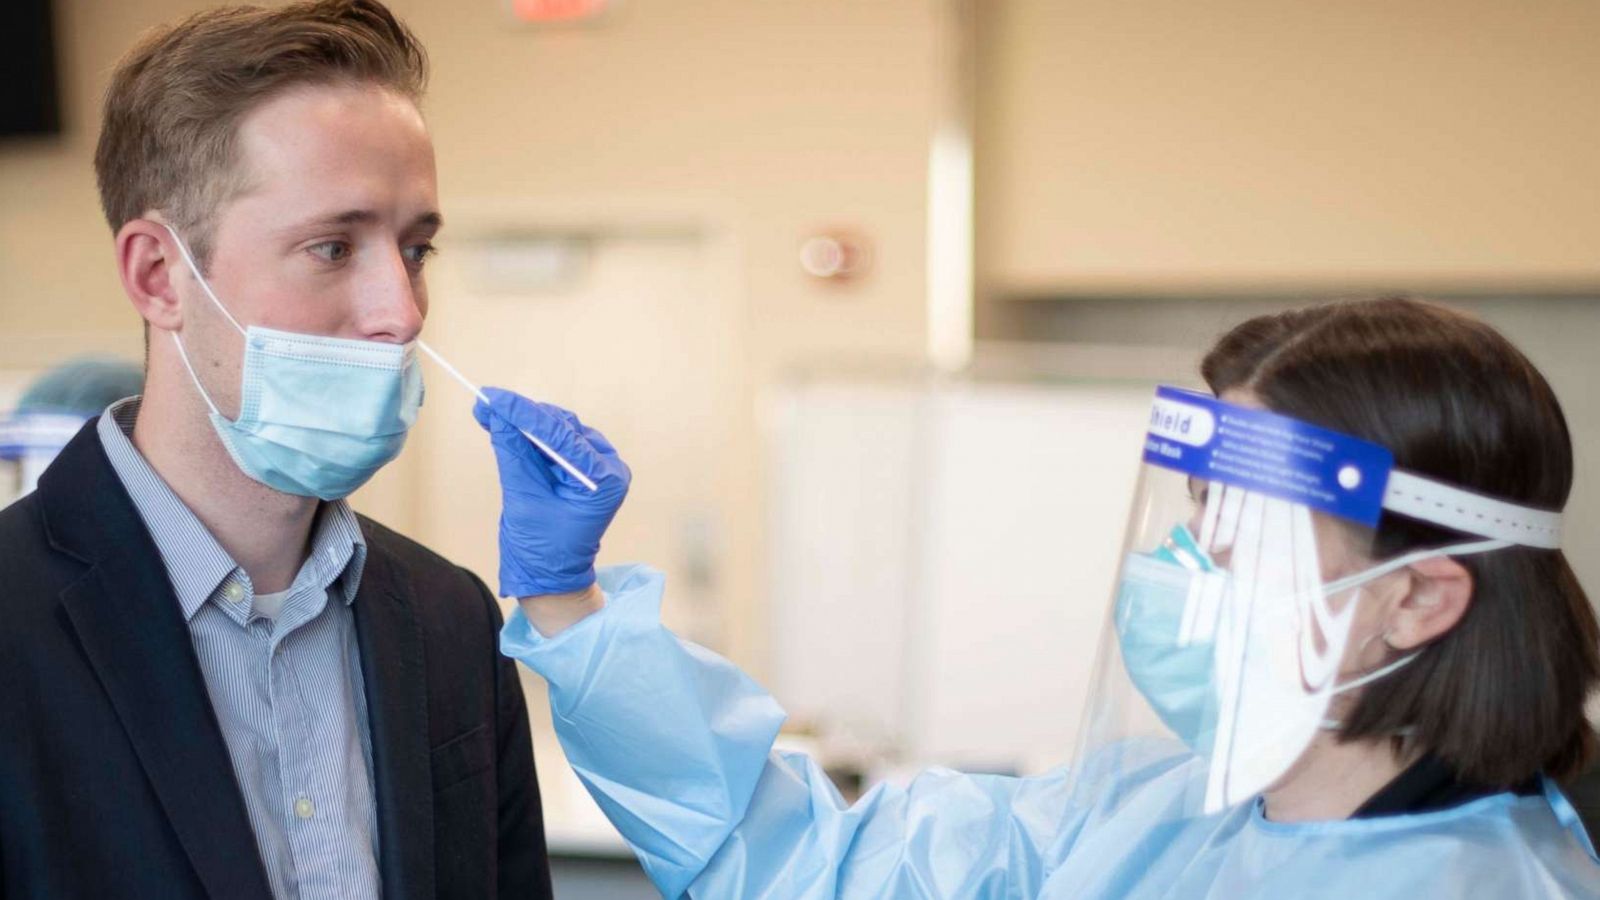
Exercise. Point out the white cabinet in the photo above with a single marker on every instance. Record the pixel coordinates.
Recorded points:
(944, 556)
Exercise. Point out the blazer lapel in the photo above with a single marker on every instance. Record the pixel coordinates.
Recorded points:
(397, 711)
(133, 634)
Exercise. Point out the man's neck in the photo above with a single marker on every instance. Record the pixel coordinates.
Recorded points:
(1332, 780)
(267, 532)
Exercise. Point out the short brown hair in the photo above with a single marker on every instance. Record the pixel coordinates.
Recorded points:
(1500, 697)
(167, 140)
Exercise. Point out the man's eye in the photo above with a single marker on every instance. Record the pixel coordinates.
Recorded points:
(332, 251)
(417, 254)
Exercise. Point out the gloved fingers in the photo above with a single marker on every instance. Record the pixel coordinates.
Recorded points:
(605, 461)
(617, 472)
(611, 462)
(510, 411)
(609, 467)
(599, 441)
(570, 417)
(484, 415)
(509, 414)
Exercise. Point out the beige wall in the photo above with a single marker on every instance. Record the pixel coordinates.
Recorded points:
(1167, 145)
(790, 116)
(1242, 154)
(755, 122)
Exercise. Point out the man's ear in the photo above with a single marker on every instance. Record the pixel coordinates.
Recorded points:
(1441, 592)
(146, 259)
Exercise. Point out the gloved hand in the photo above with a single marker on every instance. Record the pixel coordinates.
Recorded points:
(550, 524)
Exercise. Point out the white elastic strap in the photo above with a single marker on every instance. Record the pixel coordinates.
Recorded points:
(192, 376)
(193, 267)
(1338, 725)
(1462, 510)
(179, 341)
(1399, 562)
(1410, 559)
(1374, 675)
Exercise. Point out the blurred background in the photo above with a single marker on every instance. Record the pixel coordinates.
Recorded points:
(872, 295)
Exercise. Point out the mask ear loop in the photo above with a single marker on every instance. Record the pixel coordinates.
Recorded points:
(182, 355)
(1377, 673)
(1338, 724)
(1469, 548)
(204, 286)
(1360, 578)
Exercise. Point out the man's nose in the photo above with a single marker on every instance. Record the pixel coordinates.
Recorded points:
(392, 308)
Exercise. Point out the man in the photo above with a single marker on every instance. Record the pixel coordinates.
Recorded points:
(216, 680)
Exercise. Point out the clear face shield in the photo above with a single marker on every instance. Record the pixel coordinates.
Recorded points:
(1237, 622)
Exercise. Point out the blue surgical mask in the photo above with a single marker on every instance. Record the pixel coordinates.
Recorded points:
(318, 416)
(1177, 674)
(1175, 678)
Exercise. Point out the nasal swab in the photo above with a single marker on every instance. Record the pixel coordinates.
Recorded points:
(544, 448)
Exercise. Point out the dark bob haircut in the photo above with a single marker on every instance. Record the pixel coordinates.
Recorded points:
(1500, 697)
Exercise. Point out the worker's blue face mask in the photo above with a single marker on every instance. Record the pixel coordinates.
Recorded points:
(1175, 678)
(318, 416)
(1174, 667)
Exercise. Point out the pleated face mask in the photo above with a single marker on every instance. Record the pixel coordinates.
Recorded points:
(318, 416)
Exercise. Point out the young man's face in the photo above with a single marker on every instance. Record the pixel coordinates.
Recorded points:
(328, 235)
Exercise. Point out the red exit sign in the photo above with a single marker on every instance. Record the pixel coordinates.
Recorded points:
(558, 11)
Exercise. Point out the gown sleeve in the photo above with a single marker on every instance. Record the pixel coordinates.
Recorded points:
(675, 744)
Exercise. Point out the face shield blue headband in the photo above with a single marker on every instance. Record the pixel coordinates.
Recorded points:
(318, 416)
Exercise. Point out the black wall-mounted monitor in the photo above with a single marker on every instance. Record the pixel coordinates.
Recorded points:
(30, 101)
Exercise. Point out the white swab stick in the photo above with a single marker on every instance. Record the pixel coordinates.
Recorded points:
(544, 448)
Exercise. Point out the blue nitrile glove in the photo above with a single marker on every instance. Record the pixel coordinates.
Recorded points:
(550, 524)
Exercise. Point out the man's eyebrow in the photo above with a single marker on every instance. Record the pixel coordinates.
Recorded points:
(348, 217)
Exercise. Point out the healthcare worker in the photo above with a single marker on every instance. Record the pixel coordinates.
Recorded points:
(1345, 658)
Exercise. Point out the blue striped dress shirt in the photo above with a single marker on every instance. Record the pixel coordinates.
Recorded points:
(287, 690)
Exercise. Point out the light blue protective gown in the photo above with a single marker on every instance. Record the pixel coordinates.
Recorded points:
(675, 744)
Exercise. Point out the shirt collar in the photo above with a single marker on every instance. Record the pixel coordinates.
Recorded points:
(196, 564)
(337, 537)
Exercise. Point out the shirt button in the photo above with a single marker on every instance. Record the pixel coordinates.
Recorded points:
(304, 808)
(234, 592)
